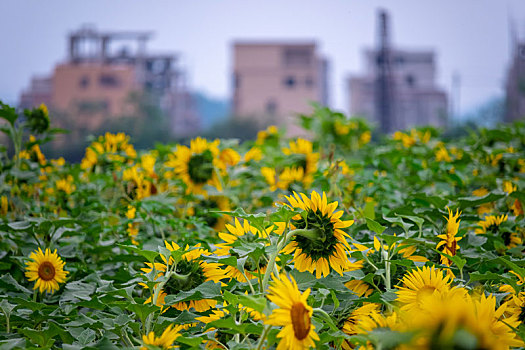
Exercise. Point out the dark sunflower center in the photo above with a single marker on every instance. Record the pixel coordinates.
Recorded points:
(493, 228)
(506, 238)
(324, 244)
(46, 271)
(189, 274)
(300, 320)
(203, 209)
(200, 167)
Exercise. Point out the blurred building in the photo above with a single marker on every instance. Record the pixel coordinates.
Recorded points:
(398, 89)
(515, 83)
(102, 75)
(273, 82)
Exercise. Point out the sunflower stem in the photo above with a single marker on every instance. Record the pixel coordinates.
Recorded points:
(273, 256)
(248, 281)
(263, 336)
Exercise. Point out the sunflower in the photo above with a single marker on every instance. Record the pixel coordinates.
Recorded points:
(419, 284)
(321, 242)
(449, 241)
(351, 325)
(47, 269)
(191, 271)
(197, 165)
(442, 321)
(165, 341)
(302, 156)
(491, 224)
(511, 239)
(294, 314)
(247, 233)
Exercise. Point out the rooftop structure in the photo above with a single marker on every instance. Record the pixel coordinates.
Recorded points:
(100, 75)
(398, 89)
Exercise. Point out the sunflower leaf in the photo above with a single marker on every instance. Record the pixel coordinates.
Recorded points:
(149, 255)
(374, 226)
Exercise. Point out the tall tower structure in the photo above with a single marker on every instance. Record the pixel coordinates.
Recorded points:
(398, 89)
(384, 82)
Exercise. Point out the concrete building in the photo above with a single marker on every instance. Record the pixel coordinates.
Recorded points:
(398, 89)
(102, 73)
(273, 82)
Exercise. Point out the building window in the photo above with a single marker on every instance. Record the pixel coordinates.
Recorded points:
(289, 82)
(297, 57)
(108, 80)
(84, 82)
(271, 107)
(309, 82)
(411, 81)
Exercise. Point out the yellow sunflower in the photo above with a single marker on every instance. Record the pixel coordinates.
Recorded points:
(294, 314)
(165, 341)
(449, 241)
(443, 320)
(190, 272)
(320, 242)
(244, 232)
(47, 269)
(419, 284)
(197, 165)
(491, 224)
(351, 325)
(302, 156)
(511, 239)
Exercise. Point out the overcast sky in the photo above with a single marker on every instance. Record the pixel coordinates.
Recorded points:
(470, 37)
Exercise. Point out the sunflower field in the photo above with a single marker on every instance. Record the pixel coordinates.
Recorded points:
(331, 241)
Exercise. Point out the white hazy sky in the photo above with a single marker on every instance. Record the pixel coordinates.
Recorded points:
(470, 37)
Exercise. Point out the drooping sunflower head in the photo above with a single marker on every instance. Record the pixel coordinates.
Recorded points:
(294, 315)
(47, 269)
(197, 165)
(191, 271)
(319, 241)
(166, 340)
(245, 233)
(419, 284)
(491, 224)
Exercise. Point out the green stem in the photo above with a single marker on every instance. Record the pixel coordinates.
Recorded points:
(271, 263)
(263, 336)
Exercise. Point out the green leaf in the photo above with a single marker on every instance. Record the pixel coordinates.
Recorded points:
(143, 310)
(149, 255)
(194, 342)
(256, 220)
(469, 202)
(87, 336)
(257, 303)
(207, 290)
(374, 226)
